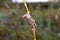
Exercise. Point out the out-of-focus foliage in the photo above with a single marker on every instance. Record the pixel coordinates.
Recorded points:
(1, 1)
(14, 27)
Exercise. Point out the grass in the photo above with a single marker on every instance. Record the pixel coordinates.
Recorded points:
(23, 31)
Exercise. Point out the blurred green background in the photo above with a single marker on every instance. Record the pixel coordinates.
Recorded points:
(14, 27)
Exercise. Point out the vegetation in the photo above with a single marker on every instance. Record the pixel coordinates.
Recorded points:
(14, 27)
